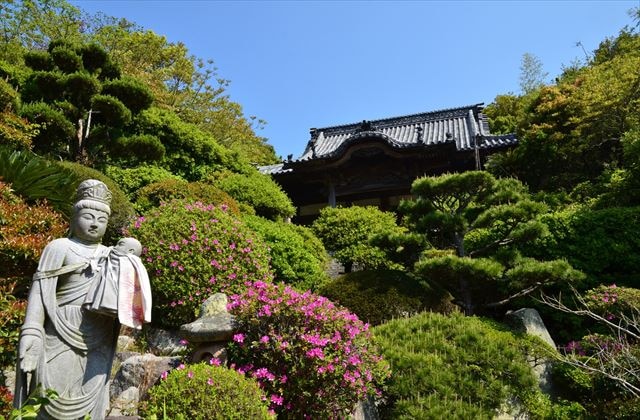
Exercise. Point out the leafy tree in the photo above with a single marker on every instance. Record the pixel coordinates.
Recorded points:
(532, 74)
(474, 221)
(72, 83)
(185, 84)
(570, 131)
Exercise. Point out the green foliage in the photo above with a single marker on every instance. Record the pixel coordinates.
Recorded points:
(34, 178)
(9, 98)
(259, 191)
(36, 400)
(121, 209)
(38, 60)
(55, 131)
(453, 367)
(346, 233)
(294, 259)
(44, 86)
(477, 221)
(143, 148)
(111, 110)
(130, 180)
(378, 296)
(131, 92)
(16, 132)
(205, 392)
(24, 232)
(190, 152)
(66, 59)
(154, 194)
(602, 243)
(192, 251)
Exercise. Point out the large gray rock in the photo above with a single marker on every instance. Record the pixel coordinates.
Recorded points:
(133, 379)
(528, 320)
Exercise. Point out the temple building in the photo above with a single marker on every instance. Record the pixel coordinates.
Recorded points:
(375, 162)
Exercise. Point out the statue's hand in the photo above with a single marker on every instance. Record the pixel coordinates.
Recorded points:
(29, 352)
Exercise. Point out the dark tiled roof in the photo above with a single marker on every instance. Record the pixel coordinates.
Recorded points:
(456, 125)
(461, 125)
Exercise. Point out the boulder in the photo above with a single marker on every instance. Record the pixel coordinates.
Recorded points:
(528, 320)
(164, 343)
(133, 379)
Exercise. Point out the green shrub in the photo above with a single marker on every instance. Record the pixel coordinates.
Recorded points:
(293, 260)
(131, 92)
(205, 392)
(130, 180)
(346, 232)
(141, 148)
(79, 88)
(192, 251)
(110, 110)
(190, 152)
(66, 59)
(381, 295)
(121, 209)
(38, 60)
(260, 192)
(44, 86)
(24, 232)
(602, 243)
(55, 131)
(9, 98)
(16, 132)
(154, 194)
(454, 367)
(313, 359)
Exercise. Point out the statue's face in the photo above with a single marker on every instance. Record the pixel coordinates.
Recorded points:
(89, 225)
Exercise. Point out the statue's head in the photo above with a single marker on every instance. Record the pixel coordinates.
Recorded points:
(91, 211)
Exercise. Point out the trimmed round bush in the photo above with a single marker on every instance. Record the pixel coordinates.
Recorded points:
(455, 367)
(313, 359)
(138, 148)
(294, 259)
(9, 98)
(110, 110)
(38, 60)
(205, 392)
(154, 194)
(381, 295)
(55, 131)
(132, 179)
(346, 233)
(192, 251)
(66, 59)
(135, 95)
(260, 192)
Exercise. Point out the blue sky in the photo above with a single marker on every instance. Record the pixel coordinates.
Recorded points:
(303, 64)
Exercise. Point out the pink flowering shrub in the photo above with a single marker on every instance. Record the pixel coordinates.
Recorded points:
(192, 251)
(205, 391)
(312, 358)
(613, 301)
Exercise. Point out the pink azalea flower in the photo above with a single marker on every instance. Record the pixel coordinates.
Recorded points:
(238, 338)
